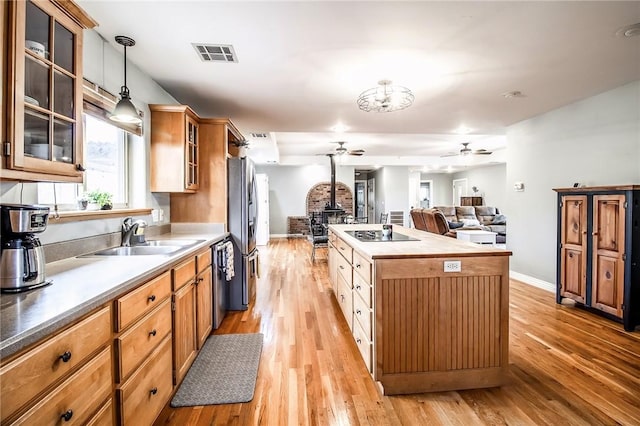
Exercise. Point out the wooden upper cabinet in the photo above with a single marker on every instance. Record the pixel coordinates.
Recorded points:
(42, 96)
(175, 149)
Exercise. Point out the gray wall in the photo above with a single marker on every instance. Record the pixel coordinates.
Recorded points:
(595, 142)
(288, 188)
(103, 65)
(491, 182)
(442, 189)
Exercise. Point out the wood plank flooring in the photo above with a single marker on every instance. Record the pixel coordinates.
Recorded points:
(568, 366)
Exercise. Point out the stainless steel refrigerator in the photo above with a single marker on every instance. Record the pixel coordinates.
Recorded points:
(242, 215)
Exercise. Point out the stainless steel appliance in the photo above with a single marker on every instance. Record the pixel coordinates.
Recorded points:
(374, 235)
(220, 283)
(242, 221)
(21, 254)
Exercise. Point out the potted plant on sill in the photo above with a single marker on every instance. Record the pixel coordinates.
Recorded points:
(102, 199)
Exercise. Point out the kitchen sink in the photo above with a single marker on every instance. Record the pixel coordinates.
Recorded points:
(153, 247)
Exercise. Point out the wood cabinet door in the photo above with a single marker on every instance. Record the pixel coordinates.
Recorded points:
(204, 301)
(573, 251)
(191, 155)
(607, 285)
(184, 330)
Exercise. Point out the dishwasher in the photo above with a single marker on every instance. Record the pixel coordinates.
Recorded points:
(222, 257)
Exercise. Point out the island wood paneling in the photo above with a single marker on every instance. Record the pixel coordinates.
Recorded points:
(438, 331)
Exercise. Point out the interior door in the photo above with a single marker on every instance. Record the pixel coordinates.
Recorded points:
(361, 198)
(573, 252)
(371, 200)
(607, 283)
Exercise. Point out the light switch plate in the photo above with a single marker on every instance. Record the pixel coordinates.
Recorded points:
(453, 266)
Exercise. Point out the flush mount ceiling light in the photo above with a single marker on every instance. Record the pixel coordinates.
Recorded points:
(385, 98)
(125, 111)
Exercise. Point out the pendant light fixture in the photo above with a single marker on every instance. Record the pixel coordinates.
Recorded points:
(125, 111)
(385, 98)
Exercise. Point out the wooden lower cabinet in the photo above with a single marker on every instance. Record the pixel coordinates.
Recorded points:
(598, 255)
(77, 398)
(104, 416)
(40, 378)
(204, 305)
(145, 393)
(185, 346)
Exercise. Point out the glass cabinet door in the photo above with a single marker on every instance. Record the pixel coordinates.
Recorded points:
(192, 155)
(47, 114)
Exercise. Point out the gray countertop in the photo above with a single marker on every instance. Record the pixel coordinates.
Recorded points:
(81, 284)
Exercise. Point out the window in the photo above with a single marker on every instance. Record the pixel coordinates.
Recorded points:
(105, 161)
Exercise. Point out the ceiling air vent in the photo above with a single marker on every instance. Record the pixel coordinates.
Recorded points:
(258, 135)
(215, 52)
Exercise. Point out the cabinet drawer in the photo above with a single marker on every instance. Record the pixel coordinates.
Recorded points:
(137, 303)
(203, 259)
(104, 416)
(345, 269)
(79, 396)
(344, 249)
(364, 345)
(184, 273)
(345, 301)
(364, 315)
(143, 396)
(27, 375)
(362, 266)
(135, 344)
(363, 289)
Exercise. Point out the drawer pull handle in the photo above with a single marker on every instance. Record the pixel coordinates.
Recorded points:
(358, 265)
(358, 311)
(358, 287)
(342, 248)
(358, 340)
(152, 332)
(341, 267)
(67, 415)
(65, 357)
(152, 298)
(153, 391)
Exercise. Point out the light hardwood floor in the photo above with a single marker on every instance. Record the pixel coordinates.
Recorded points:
(568, 367)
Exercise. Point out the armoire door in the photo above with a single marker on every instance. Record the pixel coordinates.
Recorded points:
(573, 252)
(607, 285)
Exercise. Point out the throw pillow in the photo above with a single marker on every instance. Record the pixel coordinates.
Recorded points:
(454, 225)
(470, 222)
(499, 219)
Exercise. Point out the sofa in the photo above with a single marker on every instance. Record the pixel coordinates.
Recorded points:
(461, 217)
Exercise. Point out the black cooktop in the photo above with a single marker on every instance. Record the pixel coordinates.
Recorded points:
(376, 236)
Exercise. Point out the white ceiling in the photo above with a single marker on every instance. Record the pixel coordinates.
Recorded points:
(302, 65)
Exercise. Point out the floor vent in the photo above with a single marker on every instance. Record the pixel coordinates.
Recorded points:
(215, 52)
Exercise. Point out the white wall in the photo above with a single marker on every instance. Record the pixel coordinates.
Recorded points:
(288, 188)
(442, 190)
(491, 182)
(395, 186)
(103, 65)
(595, 142)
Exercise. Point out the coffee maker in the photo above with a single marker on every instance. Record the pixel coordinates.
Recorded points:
(21, 254)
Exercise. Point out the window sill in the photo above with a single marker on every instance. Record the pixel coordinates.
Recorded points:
(82, 215)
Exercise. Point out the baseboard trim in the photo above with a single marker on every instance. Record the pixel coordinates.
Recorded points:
(535, 282)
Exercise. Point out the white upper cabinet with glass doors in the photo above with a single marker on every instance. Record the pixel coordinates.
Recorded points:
(43, 93)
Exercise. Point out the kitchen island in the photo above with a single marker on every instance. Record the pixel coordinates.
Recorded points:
(428, 313)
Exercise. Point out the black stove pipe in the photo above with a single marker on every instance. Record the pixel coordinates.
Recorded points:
(332, 196)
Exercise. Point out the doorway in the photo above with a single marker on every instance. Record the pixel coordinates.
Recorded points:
(371, 200)
(426, 193)
(459, 190)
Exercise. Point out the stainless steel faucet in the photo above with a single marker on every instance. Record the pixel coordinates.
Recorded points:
(128, 229)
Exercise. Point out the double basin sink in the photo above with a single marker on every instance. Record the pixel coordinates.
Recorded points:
(150, 248)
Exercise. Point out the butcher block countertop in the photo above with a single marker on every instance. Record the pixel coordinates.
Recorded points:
(429, 245)
(81, 284)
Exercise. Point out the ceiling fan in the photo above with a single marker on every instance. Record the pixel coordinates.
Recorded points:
(467, 151)
(341, 150)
